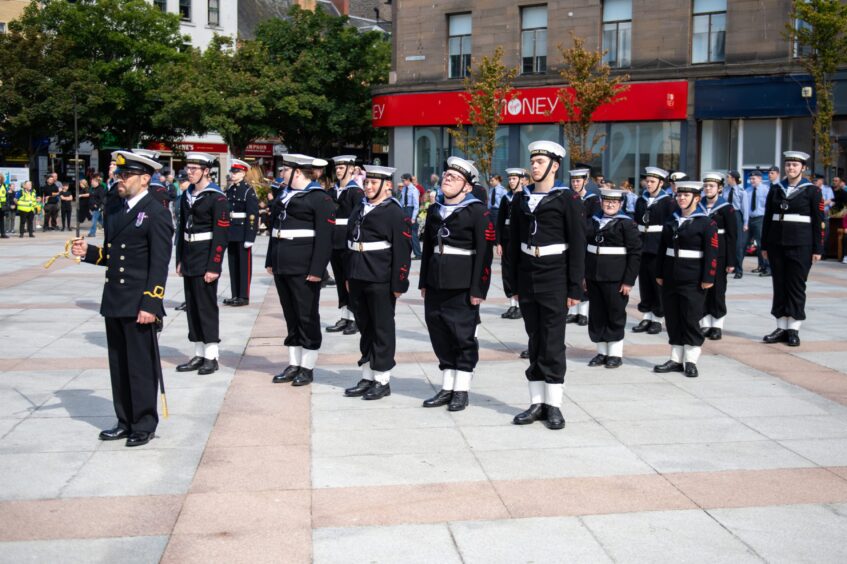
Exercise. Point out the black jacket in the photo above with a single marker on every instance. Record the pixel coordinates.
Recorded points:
(504, 220)
(208, 214)
(136, 257)
(654, 216)
(309, 209)
(96, 198)
(620, 233)
(557, 219)
(805, 201)
(698, 234)
(723, 214)
(468, 227)
(385, 222)
(345, 203)
(243, 212)
(591, 205)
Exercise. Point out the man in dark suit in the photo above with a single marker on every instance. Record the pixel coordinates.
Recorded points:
(136, 255)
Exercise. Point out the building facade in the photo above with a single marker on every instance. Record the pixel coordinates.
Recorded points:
(714, 84)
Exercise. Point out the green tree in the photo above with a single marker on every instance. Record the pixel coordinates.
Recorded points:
(589, 85)
(821, 26)
(488, 88)
(324, 69)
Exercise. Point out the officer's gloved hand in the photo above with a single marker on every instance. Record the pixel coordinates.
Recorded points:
(247, 244)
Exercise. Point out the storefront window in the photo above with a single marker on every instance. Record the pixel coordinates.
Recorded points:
(797, 135)
(429, 153)
(759, 142)
(538, 132)
(632, 146)
(716, 152)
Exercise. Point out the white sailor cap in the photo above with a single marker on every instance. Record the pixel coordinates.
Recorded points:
(239, 165)
(516, 172)
(655, 171)
(608, 194)
(798, 156)
(715, 177)
(380, 172)
(129, 161)
(345, 159)
(297, 160)
(677, 176)
(204, 159)
(547, 149)
(320, 163)
(579, 172)
(149, 153)
(464, 167)
(689, 186)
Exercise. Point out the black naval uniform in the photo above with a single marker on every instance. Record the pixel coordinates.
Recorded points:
(243, 225)
(300, 246)
(504, 237)
(136, 255)
(204, 222)
(455, 267)
(613, 258)
(791, 233)
(723, 214)
(688, 256)
(379, 239)
(650, 219)
(346, 200)
(591, 205)
(549, 258)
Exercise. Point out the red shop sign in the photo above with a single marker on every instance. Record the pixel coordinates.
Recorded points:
(644, 101)
(189, 146)
(259, 150)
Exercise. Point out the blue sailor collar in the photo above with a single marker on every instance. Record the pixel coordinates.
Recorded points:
(386, 201)
(211, 186)
(719, 203)
(350, 184)
(468, 200)
(556, 187)
(600, 215)
(588, 195)
(699, 212)
(662, 194)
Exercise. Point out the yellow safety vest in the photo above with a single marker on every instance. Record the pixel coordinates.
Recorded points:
(27, 202)
(2, 195)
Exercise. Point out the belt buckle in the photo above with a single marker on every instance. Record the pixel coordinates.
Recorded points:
(537, 251)
(361, 247)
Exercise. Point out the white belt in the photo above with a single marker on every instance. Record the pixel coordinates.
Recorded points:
(193, 237)
(594, 249)
(450, 250)
(341, 220)
(794, 217)
(556, 249)
(650, 228)
(684, 253)
(360, 247)
(508, 222)
(237, 215)
(292, 233)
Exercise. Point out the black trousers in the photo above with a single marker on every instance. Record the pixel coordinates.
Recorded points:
(337, 262)
(240, 269)
(201, 308)
(135, 369)
(716, 295)
(27, 219)
(300, 300)
(451, 322)
(544, 320)
(790, 268)
(684, 305)
(374, 303)
(507, 270)
(51, 215)
(606, 312)
(651, 292)
(66, 217)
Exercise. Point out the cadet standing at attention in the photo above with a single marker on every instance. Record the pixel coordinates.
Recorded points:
(243, 217)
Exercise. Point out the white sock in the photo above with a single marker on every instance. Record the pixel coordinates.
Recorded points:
(603, 348)
(676, 353)
(448, 379)
(706, 321)
(463, 381)
(310, 358)
(553, 394)
(616, 348)
(582, 308)
(536, 392)
(210, 351)
(782, 323)
(348, 315)
(659, 320)
(199, 349)
(295, 356)
(367, 373)
(717, 322)
(476, 330)
(513, 302)
(573, 309)
(382, 377)
(648, 316)
(692, 354)
(793, 324)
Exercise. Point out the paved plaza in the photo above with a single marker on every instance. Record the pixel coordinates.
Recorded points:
(747, 463)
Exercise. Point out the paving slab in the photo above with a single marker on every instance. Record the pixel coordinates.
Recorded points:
(422, 544)
(129, 550)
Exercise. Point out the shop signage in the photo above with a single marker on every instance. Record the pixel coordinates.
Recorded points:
(189, 146)
(259, 150)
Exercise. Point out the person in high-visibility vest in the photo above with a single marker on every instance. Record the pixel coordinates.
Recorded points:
(28, 206)
(3, 200)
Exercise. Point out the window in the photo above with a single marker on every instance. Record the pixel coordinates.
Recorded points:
(709, 31)
(161, 4)
(632, 146)
(214, 13)
(534, 39)
(801, 50)
(459, 30)
(617, 33)
(2, 27)
(185, 10)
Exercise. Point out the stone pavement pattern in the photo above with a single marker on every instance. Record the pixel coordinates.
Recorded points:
(746, 463)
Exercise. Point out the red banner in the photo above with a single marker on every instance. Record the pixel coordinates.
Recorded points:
(259, 150)
(643, 101)
(189, 146)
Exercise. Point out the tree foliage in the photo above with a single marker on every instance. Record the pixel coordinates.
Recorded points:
(488, 88)
(825, 36)
(589, 85)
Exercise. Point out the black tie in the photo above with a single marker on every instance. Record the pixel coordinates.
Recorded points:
(731, 194)
(753, 203)
(126, 206)
(406, 198)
